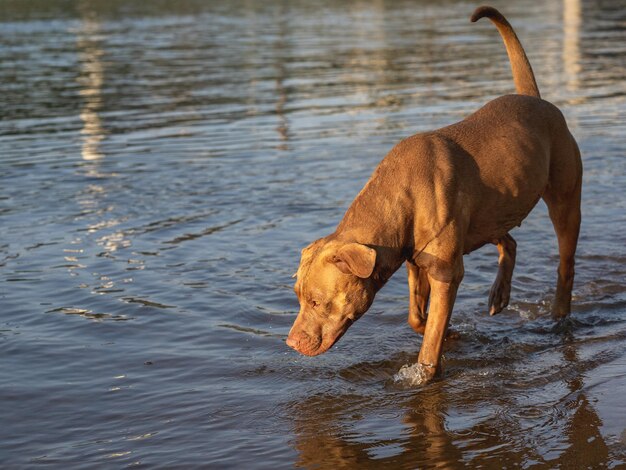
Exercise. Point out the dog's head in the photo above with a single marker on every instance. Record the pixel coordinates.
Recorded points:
(335, 287)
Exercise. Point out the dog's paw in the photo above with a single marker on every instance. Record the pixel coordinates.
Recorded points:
(417, 323)
(419, 329)
(499, 296)
(452, 334)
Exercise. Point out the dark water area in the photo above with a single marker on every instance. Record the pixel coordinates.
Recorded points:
(162, 164)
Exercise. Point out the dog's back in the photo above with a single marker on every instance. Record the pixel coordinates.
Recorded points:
(515, 147)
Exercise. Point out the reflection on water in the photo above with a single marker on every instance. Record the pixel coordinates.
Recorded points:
(444, 424)
(91, 79)
(281, 90)
(571, 42)
(163, 163)
(325, 432)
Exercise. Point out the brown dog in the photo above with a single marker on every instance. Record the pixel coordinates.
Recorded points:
(437, 196)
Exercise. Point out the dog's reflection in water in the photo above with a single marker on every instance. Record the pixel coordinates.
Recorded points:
(453, 423)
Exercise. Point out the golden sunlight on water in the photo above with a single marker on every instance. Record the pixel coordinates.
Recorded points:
(162, 164)
(90, 80)
(571, 42)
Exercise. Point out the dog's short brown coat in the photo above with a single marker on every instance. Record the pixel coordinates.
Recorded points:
(439, 195)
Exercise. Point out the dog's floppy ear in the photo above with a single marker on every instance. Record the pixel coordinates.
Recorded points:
(357, 259)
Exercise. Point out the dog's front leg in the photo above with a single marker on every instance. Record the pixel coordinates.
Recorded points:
(419, 291)
(442, 295)
(500, 293)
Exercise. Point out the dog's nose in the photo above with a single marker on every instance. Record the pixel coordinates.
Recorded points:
(291, 342)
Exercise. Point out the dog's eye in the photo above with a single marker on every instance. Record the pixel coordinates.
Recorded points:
(314, 303)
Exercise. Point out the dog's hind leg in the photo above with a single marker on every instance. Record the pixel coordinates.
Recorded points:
(419, 292)
(501, 290)
(563, 200)
(565, 214)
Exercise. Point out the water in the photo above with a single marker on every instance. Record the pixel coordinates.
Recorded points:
(163, 163)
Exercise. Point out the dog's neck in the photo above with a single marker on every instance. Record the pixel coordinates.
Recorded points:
(382, 224)
(387, 262)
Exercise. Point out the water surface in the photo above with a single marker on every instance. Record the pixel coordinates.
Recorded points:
(163, 163)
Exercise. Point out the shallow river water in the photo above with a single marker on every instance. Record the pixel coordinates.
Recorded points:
(163, 163)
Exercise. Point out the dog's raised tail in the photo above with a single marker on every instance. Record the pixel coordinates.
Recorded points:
(523, 75)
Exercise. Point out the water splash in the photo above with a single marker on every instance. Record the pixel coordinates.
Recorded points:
(411, 375)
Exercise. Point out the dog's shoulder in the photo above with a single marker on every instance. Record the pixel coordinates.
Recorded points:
(424, 145)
